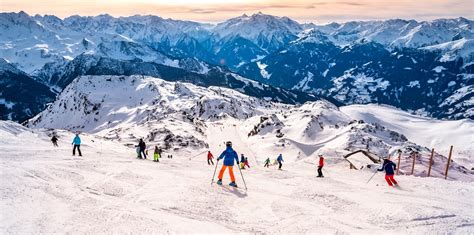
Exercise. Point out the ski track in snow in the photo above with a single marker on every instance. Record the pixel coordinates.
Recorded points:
(46, 190)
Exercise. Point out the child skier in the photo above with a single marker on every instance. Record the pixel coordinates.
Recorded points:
(267, 163)
(209, 158)
(242, 161)
(246, 163)
(156, 154)
(229, 156)
(320, 166)
(389, 168)
(280, 160)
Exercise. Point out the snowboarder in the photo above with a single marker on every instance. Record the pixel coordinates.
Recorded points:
(209, 158)
(320, 166)
(77, 144)
(142, 146)
(229, 156)
(280, 160)
(267, 163)
(55, 141)
(389, 167)
(156, 154)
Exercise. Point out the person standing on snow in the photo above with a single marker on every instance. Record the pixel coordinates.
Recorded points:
(229, 156)
(267, 163)
(246, 163)
(55, 141)
(389, 167)
(77, 144)
(142, 146)
(320, 166)
(242, 161)
(280, 160)
(209, 158)
(156, 154)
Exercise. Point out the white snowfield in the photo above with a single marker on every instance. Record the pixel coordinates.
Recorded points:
(46, 190)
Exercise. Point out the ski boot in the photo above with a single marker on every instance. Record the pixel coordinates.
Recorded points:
(219, 182)
(233, 184)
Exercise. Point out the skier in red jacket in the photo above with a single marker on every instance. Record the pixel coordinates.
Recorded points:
(320, 166)
(209, 158)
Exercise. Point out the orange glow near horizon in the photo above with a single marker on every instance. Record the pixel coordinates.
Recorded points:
(317, 11)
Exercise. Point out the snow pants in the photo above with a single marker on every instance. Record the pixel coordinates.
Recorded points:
(231, 173)
(209, 161)
(156, 157)
(390, 180)
(280, 165)
(78, 149)
(320, 171)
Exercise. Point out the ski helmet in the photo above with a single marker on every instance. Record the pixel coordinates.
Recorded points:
(228, 144)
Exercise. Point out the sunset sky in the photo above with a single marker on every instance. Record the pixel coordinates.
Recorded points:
(317, 11)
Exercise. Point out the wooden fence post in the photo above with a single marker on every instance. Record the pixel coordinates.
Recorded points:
(413, 165)
(449, 160)
(398, 165)
(431, 162)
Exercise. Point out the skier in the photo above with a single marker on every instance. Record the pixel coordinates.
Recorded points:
(280, 160)
(156, 154)
(246, 163)
(142, 146)
(267, 163)
(229, 156)
(209, 158)
(320, 166)
(242, 161)
(389, 168)
(77, 144)
(55, 141)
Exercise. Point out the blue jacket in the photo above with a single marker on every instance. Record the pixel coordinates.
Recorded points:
(229, 156)
(389, 167)
(76, 140)
(280, 158)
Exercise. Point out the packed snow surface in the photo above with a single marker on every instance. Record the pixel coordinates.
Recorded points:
(46, 190)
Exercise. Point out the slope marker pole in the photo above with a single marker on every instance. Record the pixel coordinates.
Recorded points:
(431, 162)
(398, 165)
(449, 160)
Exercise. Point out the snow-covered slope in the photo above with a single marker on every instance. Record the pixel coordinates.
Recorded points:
(177, 116)
(108, 191)
(425, 131)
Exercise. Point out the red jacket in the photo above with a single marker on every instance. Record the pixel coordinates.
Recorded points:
(209, 155)
(321, 161)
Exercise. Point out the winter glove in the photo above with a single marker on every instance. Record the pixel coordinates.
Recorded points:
(238, 162)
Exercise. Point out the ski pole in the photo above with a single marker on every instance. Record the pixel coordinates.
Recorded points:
(215, 169)
(242, 177)
(372, 177)
(197, 155)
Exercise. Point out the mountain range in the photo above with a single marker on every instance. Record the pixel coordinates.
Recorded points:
(422, 67)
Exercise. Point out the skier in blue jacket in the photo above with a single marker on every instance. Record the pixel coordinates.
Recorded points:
(280, 160)
(229, 156)
(77, 144)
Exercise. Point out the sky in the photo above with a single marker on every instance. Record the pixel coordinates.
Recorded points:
(213, 11)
